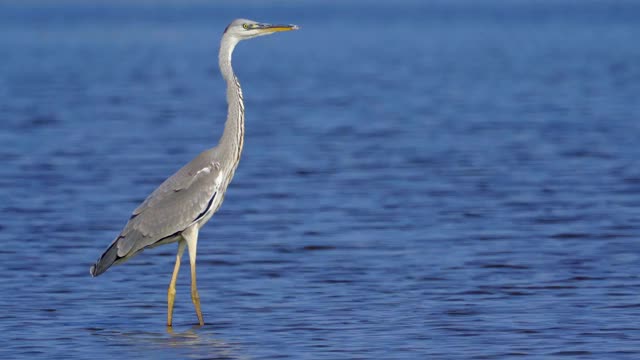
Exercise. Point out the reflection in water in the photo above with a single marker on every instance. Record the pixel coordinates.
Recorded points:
(191, 342)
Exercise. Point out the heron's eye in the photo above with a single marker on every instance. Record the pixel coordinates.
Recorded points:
(245, 26)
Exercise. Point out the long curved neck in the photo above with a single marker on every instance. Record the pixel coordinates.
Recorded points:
(233, 136)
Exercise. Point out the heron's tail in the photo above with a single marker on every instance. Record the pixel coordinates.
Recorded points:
(106, 260)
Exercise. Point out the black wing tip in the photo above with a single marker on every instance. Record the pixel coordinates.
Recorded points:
(92, 271)
(97, 270)
(107, 259)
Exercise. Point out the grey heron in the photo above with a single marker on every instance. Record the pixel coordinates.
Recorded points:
(183, 203)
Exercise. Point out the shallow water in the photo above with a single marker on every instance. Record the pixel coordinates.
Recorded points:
(449, 180)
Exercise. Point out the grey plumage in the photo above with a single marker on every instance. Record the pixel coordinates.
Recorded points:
(183, 203)
(176, 204)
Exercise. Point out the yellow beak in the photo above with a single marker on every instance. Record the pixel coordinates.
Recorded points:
(268, 28)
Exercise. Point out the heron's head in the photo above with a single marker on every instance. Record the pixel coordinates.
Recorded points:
(243, 29)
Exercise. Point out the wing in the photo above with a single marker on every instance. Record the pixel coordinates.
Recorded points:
(179, 201)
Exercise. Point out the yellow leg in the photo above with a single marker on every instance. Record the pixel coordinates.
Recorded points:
(171, 294)
(191, 236)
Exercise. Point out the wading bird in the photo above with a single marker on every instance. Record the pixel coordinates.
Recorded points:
(183, 203)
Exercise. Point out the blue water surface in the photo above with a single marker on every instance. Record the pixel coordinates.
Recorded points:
(420, 180)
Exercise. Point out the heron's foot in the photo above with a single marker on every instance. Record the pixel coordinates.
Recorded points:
(195, 297)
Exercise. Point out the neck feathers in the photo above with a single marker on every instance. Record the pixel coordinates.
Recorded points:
(233, 136)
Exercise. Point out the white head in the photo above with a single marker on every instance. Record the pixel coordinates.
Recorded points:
(243, 29)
